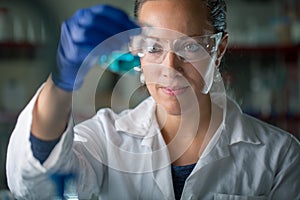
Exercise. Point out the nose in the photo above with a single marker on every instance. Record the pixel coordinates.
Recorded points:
(171, 65)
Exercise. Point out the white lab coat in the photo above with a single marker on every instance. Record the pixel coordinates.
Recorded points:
(123, 156)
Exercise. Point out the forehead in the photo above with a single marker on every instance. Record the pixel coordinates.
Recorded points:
(189, 17)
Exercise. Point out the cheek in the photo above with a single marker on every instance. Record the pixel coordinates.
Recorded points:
(198, 72)
(203, 68)
(151, 72)
(151, 89)
(200, 75)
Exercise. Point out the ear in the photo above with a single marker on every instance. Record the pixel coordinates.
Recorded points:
(222, 48)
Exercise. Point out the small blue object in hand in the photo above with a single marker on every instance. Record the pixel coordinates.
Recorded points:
(121, 63)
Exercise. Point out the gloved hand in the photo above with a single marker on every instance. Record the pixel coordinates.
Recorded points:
(81, 34)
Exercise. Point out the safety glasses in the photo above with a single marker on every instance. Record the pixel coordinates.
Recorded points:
(187, 49)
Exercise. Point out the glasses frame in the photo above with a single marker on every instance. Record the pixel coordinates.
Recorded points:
(140, 52)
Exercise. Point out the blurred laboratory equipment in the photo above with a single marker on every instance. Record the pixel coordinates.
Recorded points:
(5, 24)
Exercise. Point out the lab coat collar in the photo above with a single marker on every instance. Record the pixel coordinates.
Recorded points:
(238, 126)
(235, 129)
(140, 121)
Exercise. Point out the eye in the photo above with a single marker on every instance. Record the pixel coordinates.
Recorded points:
(152, 46)
(191, 46)
(155, 48)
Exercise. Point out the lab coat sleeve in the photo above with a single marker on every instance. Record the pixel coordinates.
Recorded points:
(287, 178)
(27, 178)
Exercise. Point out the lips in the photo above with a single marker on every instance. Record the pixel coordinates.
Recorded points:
(174, 91)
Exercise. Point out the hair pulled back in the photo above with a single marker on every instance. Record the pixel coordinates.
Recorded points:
(216, 9)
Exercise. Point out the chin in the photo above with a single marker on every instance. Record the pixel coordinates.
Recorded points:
(175, 107)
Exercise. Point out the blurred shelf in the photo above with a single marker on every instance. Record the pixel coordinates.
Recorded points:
(265, 48)
(286, 121)
(18, 50)
(287, 50)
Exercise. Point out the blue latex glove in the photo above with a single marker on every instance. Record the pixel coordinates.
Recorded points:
(81, 34)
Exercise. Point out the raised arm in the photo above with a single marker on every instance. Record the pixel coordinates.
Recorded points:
(43, 124)
(79, 36)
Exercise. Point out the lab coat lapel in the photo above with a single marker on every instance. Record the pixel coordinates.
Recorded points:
(233, 131)
(138, 120)
(219, 152)
(163, 179)
(141, 122)
(238, 127)
(161, 169)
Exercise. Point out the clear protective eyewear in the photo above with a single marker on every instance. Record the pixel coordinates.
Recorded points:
(187, 49)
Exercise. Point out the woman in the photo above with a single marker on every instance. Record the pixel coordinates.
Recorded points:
(186, 141)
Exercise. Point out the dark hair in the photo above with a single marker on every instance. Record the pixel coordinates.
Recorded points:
(217, 12)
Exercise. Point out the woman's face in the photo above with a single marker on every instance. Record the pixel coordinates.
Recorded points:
(175, 84)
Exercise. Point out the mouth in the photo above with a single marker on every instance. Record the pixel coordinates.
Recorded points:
(174, 91)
